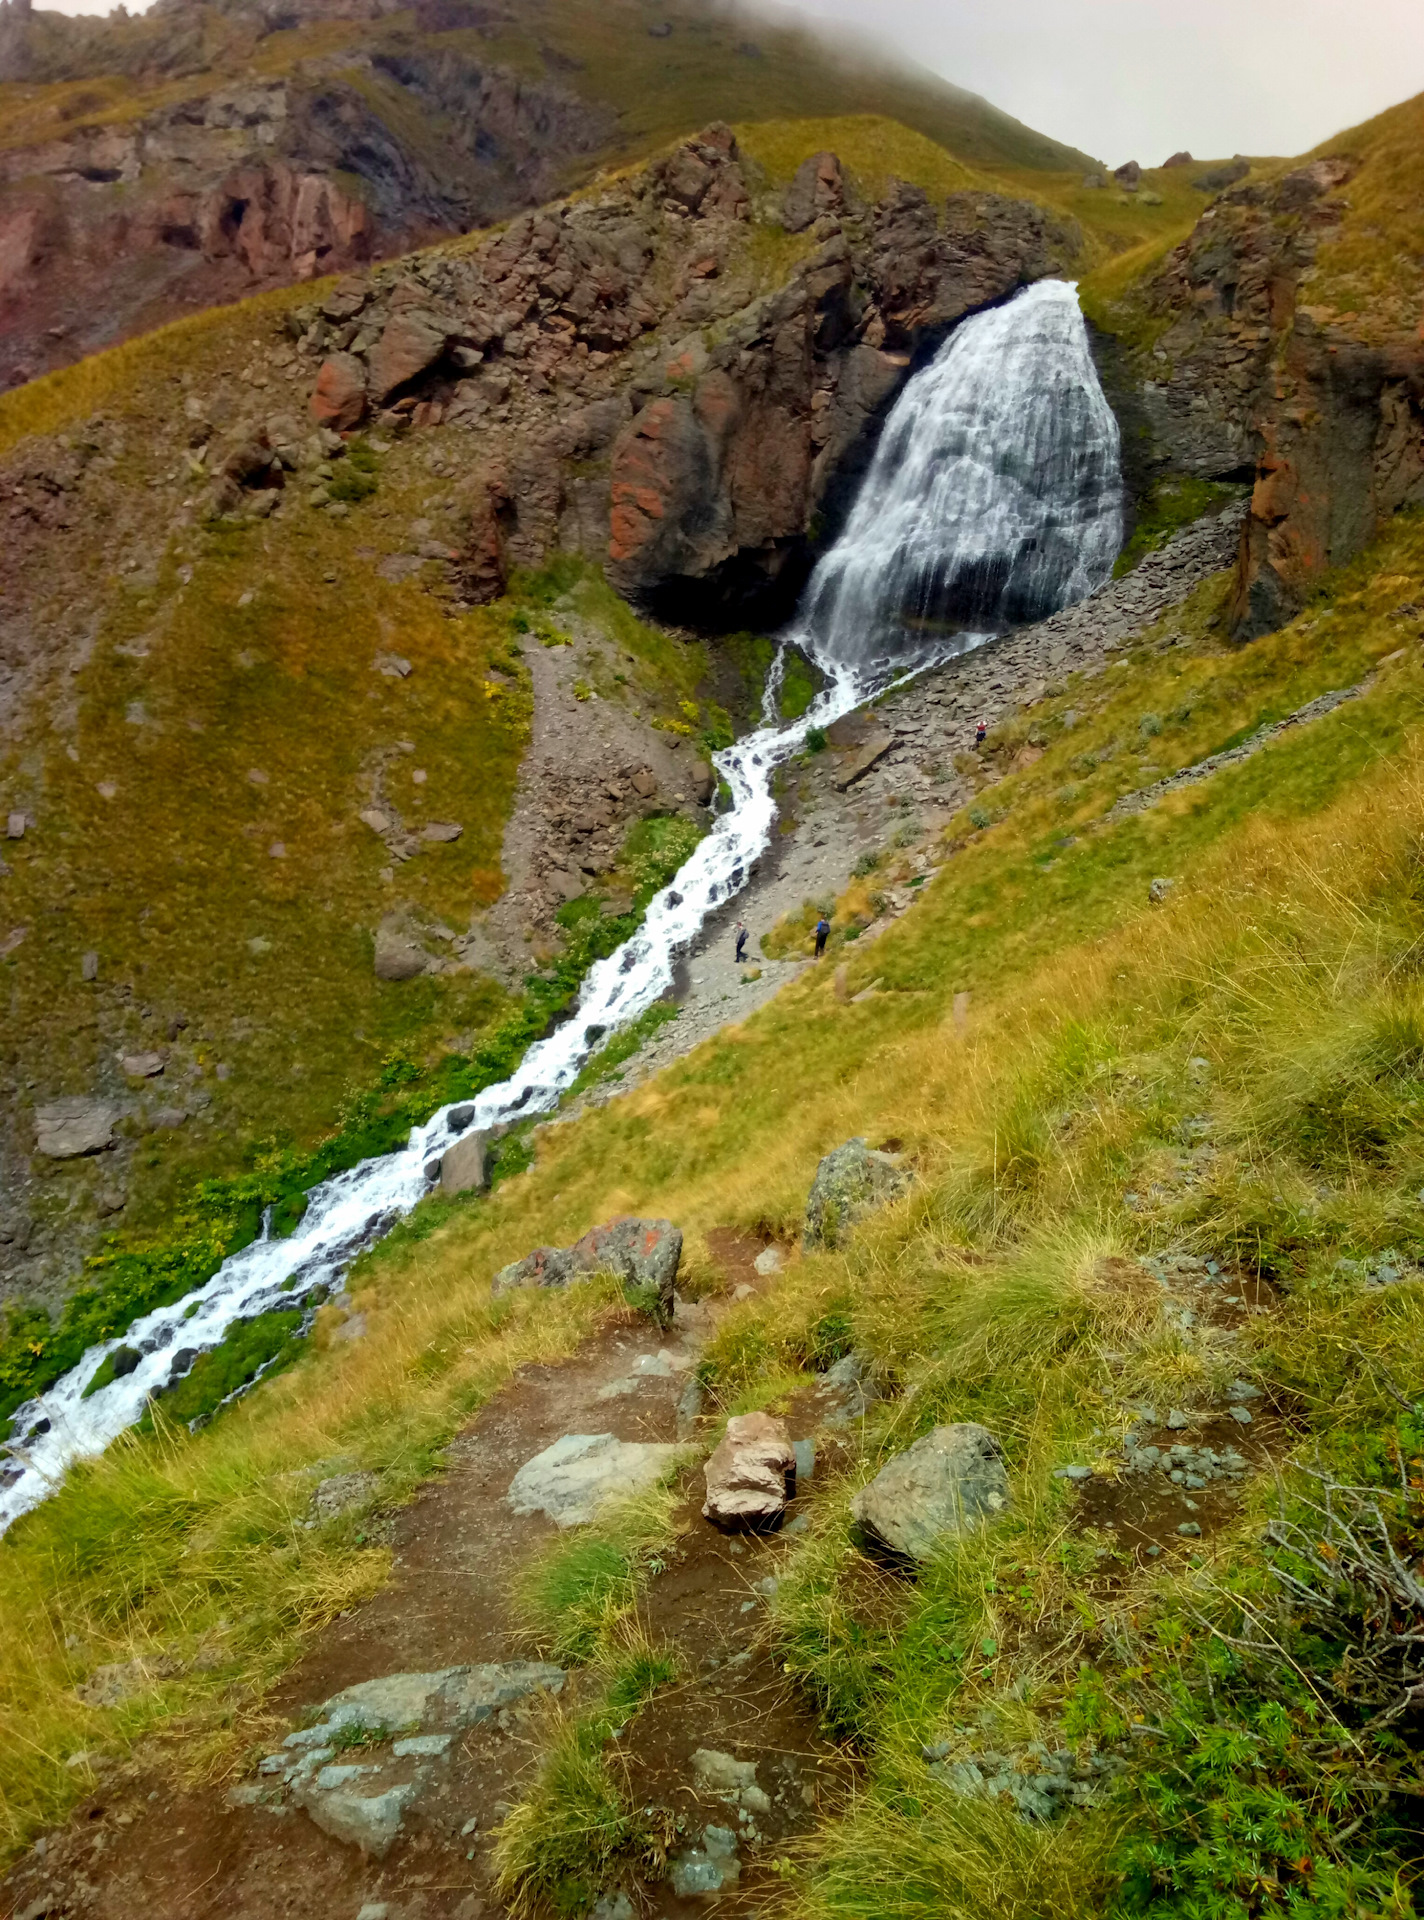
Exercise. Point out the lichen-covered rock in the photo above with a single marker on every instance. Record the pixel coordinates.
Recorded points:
(463, 1167)
(643, 1253)
(751, 1474)
(850, 1182)
(949, 1482)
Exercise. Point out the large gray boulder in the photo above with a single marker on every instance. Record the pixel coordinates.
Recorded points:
(68, 1129)
(572, 1479)
(850, 1182)
(948, 1483)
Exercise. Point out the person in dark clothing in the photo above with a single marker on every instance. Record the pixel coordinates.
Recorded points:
(823, 933)
(981, 729)
(741, 942)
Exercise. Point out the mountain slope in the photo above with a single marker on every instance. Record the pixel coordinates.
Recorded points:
(152, 165)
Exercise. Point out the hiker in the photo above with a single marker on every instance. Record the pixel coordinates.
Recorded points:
(741, 942)
(823, 933)
(981, 730)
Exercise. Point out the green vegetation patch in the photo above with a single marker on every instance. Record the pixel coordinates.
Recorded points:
(262, 1345)
(1176, 501)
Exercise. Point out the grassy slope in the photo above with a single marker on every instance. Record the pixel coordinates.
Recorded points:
(1281, 959)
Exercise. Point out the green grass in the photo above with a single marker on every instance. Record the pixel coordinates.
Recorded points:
(577, 1596)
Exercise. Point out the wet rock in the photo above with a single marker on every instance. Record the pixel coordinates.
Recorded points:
(751, 1474)
(571, 1480)
(949, 1482)
(67, 1129)
(464, 1167)
(708, 1868)
(850, 1182)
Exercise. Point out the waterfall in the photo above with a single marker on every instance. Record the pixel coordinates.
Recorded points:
(993, 498)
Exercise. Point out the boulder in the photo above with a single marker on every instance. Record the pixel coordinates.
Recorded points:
(751, 1474)
(397, 955)
(463, 1167)
(67, 1129)
(643, 1253)
(572, 1479)
(860, 759)
(545, 1267)
(342, 1492)
(949, 1482)
(410, 345)
(1179, 159)
(338, 401)
(1217, 179)
(1127, 175)
(440, 832)
(850, 1182)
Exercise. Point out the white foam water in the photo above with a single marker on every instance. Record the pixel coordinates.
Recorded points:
(995, 489)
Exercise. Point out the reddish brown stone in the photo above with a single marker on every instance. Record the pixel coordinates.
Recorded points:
(339, 401)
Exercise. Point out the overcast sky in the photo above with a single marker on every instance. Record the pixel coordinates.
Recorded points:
(1138, 79)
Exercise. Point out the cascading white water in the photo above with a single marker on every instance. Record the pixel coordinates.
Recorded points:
(994, 496)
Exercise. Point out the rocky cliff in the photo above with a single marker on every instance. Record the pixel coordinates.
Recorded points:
(642, 395)
(1238, 356)
(212, 147)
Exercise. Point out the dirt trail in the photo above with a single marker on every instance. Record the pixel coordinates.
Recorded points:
(138, 1850)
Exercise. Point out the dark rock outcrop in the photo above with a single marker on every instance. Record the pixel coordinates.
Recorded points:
(644, 1254)
(1242, 379)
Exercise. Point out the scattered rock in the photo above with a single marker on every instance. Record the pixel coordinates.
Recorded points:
(463, 1167)
(66, 1129)
(397, 955)
(708, 1868)
(411, 343)
(1041, 1782)
(15, 827)
(373, 818)
(440, 831)
(690, 1406)
(948, 1482)
(850, 1182)
(730, 1779)
(545, 1267)
(571, 1480)
(142, 1066)
(769, 1260)
(751, 1474)
(1159, 890)
(89, 966)
(861, 759)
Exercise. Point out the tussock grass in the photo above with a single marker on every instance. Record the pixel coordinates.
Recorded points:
(578, 1596)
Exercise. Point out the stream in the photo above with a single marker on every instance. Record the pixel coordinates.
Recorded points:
(994, 499)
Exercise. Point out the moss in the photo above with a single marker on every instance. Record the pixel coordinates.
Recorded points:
(262, 1345)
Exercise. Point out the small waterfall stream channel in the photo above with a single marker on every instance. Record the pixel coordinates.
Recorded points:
(994, 499)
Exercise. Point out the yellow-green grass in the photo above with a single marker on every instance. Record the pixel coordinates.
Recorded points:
(1368, 274)
(1087, 1005)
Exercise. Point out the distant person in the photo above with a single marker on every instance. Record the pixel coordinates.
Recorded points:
(981, 732)
(741, 942)
(823, 933)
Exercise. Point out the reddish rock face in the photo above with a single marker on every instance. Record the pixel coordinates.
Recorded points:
(339, 401)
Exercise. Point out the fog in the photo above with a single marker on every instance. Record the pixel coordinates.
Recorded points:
(1139, 79)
